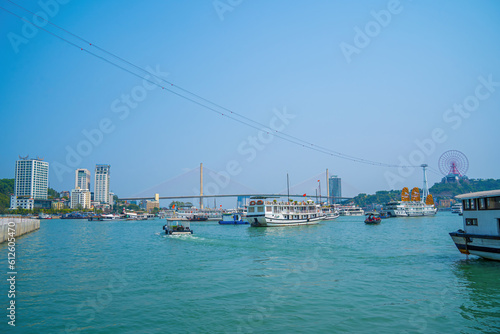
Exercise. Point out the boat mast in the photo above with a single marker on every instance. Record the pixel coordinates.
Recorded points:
(425, 188)
(288, 187)
(327, 189)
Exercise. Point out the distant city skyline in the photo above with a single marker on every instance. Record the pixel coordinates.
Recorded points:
(392, 82)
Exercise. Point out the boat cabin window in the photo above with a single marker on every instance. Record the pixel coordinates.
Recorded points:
(469, 204)
(493, 203)
(481, 203)
(251, 209)
(260, 209)
(269, 208)
(471, 221)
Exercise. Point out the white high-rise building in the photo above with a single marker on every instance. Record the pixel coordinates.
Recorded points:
(32, 178)
(101, 184)
(31, 182)
(82, 179)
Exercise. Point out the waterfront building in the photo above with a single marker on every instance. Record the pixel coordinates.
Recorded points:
(57, 205)
(80, 199)
(82, 178)
(21, 203)
(101, 184)
(80, 196)
(31, 183)
(150, 205)
(335, 188)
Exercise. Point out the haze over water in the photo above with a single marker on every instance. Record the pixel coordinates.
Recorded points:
(403, 276)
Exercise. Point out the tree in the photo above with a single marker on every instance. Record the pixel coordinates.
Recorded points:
(52, 193)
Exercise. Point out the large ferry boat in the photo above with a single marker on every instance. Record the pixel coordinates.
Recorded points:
(410, 206)
(264, 213)
(481, 230)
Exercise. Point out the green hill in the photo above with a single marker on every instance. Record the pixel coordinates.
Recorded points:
(6, 189)
(438, 191)
(450, 190)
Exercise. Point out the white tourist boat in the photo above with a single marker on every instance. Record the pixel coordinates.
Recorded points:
(351, 210)
(111, 217)
(481, 230)
(456, 208)
(410, 206)
(264, 213)
(330, 213)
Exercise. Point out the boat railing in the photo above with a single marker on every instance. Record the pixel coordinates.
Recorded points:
(294, 212)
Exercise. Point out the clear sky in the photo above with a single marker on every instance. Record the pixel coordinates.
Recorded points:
(399, 82)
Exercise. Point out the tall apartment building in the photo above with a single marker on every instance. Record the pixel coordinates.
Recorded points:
(31, 182)
(80, 196)
(82, 179)
(101, 184)
(335, 185)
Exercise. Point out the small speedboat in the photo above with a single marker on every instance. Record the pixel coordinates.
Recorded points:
(232, 219)
(372, 218)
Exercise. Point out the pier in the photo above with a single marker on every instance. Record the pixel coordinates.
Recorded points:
(22, 226)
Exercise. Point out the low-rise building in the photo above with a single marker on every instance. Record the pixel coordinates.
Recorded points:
(57, 205)
(150, 205)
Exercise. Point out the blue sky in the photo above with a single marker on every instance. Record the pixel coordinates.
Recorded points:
(371, 79)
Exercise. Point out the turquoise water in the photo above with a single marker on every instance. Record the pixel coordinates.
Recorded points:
(402, 276)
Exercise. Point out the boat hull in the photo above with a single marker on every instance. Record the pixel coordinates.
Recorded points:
(178, 232)
(236, 222)
(486, 246)
(263, 221)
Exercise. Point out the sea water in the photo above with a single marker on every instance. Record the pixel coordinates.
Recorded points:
(342, 276)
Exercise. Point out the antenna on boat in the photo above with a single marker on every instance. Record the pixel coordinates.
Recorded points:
(425, 188)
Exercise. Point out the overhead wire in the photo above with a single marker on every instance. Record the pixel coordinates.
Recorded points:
(195, 98)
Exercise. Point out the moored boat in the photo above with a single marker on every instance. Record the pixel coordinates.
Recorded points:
(457, 208)
(351, 210)
(410, 206)
(330, 213)
(262, 213)
(481, 225)
(196, 218)
(232, 219)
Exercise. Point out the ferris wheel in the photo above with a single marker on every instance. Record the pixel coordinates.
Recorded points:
(453, 162)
